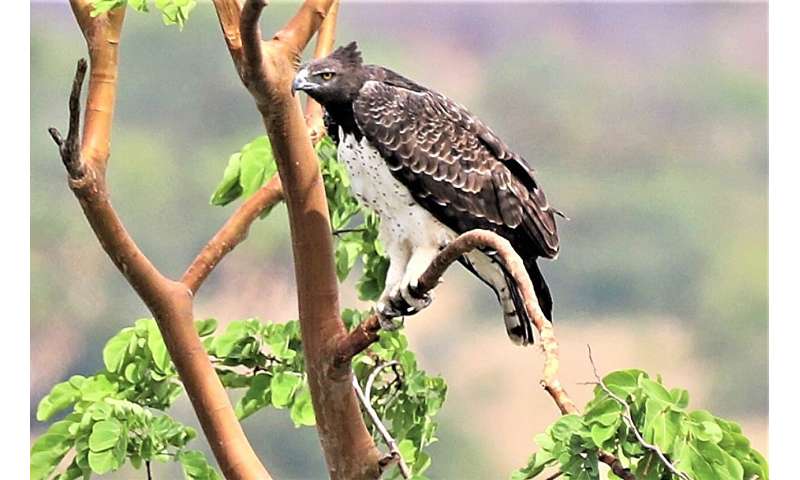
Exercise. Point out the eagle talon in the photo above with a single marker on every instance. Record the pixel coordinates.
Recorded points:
(387, 317)
(416, 300)
(398, 303)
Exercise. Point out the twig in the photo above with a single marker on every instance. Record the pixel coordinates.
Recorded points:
(628, 419)
(70, 148)
(348, 230)
(366, 401)
(374, 374)
(326, 37)
(149, 473)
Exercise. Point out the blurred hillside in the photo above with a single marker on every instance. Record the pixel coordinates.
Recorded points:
(646, 123)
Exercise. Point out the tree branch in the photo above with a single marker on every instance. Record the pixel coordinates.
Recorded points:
(229, 13)
(628, 419)
(102, 35)
(169, 301)
(267, 69)
(70, 148)
(326, 37)
(231, 234)
(365, 397)
(367, 332)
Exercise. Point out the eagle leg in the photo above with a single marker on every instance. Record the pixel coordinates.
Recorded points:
(389, 318)
(408, 292)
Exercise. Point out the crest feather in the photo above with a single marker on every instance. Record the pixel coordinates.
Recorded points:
(348, 54)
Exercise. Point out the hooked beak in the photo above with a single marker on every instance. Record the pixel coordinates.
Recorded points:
(301, 81)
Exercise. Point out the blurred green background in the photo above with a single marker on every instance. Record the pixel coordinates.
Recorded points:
(646, 123)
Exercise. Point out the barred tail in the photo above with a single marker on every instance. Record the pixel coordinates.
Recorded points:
(518, 324)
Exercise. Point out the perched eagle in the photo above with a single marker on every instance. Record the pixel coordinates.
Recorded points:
(431, 170)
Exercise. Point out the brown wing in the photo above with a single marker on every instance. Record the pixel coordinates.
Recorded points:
(455, 166)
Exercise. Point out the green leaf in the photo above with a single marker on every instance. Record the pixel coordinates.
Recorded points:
(157, 347)
(707, 431)
(60, 397)
(680, 397)
(229, 188)
(139, 5)
(257, 165)
(105, 434)
(302, 412)
(49, 449)
(103, 6)
(73, 472)
(605, 412)
(116, 350)
(234, 332)
(602, 433)
(662, 424)
(206, 327)
(565, 426)
(196, 467)
(256, 397)
(347, 252)
(103, 462)
(283, 385)
(655, 390)
(623, 382)
(407, 450)
(97, 388)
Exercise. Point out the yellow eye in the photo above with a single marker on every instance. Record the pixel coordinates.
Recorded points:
(326, 75)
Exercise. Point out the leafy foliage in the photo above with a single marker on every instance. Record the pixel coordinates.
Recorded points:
(115, 414)
(405, 397)
(697, 443)
(246, 172)
(173, 12)
(254, 165)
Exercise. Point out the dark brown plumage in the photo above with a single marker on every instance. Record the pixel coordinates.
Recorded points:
(453, 165)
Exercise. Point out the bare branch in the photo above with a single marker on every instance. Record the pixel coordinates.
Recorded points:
(70, 148)
(254, 73)
(170, 302)
(267, 70)
(229, 13)
(297, 32)
(326, 38)
(628, 419)
(231, 234)
(374, 374)
(366, 400)
(366, 333)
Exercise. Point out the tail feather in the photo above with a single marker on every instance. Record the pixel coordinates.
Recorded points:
(520, 327)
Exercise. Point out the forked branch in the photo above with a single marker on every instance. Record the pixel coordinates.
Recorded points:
(169, 301)
(367, 332)
(267, 69)
(365, 397)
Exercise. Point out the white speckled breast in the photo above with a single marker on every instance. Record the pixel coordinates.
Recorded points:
(374, 186)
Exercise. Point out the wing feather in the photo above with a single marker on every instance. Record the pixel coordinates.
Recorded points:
(454, 165)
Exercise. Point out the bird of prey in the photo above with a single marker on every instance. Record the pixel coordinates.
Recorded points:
(431, 170)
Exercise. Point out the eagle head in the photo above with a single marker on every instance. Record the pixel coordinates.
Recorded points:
(336, 78)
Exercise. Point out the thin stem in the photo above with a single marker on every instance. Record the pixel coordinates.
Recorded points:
(374, 374)
(149, 473)
(628, 419)
(348, 230)
(365, 400)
